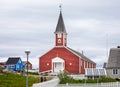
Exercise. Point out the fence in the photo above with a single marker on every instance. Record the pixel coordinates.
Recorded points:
(52, 83)
(111, 84)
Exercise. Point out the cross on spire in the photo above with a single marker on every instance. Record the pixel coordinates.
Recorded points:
(60, 6)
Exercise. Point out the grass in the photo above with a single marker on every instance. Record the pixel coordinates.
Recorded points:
(15, 80)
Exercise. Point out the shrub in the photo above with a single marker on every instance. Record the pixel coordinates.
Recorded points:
(1, 69)
(63, 76)
(33, 73)
(106, 79)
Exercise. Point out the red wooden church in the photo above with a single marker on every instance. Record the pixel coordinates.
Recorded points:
(62, 57)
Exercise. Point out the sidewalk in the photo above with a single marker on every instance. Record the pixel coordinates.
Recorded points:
(51, 83)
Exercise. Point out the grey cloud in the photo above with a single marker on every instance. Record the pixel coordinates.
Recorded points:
(30, 25)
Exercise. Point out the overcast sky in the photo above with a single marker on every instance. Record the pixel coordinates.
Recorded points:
(92, 26)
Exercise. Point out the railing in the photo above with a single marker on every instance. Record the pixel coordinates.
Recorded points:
(111, 84)
(52, 83)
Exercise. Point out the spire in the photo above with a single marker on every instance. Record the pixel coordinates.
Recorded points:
(60, 28)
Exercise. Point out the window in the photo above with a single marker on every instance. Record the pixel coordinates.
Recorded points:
(59, 41)
(11, 66)
(17, 66)
(115, 71)
(59, 35)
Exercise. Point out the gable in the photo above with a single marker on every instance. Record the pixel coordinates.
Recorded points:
(61, 52)
(57, 59)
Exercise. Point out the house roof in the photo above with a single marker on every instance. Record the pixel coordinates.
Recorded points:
(12, 60)
(114, 58)
(81, 55)
(2, 63)
(25, 62)
(60, 28)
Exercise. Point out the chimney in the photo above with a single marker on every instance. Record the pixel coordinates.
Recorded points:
(118, 46)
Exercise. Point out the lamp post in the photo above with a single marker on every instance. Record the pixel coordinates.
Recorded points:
(27, 53)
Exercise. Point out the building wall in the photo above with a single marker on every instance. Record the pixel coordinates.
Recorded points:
(110, 73)
(18, 66)
(73, 64)
(29, 66)
(86, 64)
(71, 60)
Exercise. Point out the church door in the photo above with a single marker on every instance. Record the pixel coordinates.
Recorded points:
(58, 67)
(58, 64)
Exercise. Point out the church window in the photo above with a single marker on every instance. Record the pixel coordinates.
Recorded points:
(59, 40)
(47, 64)
(70, 64)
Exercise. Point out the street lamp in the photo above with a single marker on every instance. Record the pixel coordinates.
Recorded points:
(27, 53)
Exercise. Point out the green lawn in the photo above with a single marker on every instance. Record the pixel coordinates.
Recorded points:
(14, 80)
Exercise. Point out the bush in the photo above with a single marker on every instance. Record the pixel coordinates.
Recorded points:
(106, 79)
(33, 73)
(1, 69)
(63, 76)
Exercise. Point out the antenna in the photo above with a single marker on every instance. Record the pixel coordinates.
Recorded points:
(107, 45)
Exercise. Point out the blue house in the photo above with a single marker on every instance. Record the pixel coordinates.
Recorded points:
(14, 63)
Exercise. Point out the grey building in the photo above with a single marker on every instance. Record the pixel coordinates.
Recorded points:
(113, 65)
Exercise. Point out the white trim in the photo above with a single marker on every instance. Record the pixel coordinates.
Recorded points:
(79, 66)
(58, 60)
(55, 39)
(64, 41)
(59, 46)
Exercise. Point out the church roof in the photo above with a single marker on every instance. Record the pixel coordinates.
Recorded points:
(60, 28)
(80, 54)
(114, 58)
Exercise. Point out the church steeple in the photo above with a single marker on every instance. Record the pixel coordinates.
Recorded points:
(60, 28)
(60, 32)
